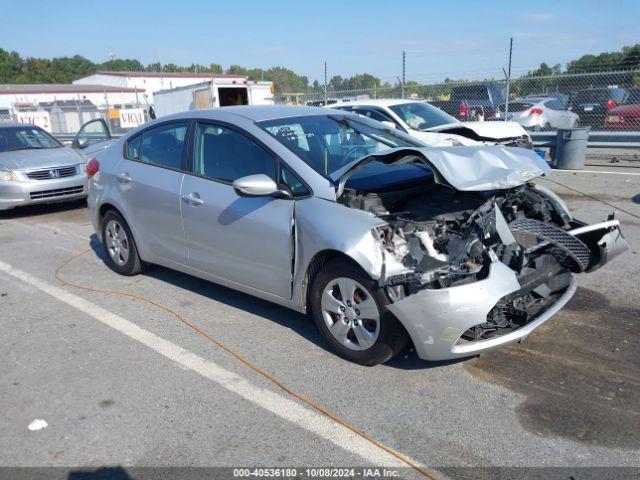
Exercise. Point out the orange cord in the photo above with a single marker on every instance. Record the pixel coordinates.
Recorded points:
(240, 358)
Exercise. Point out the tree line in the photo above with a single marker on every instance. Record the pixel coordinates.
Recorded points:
(16, 69)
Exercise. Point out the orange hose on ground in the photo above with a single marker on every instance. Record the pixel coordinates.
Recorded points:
(240, 358)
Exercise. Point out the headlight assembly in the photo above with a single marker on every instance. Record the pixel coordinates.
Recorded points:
(8, 176)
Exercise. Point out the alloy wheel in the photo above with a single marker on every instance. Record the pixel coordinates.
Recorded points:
(350, 313)
(117, 242)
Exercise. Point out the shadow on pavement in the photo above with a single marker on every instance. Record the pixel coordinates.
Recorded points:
(103, 473)
(301, 324)
(43, 209)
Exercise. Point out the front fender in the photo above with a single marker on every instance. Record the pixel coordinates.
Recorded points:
(322, 225)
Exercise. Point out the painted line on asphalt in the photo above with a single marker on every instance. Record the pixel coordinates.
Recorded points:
(279, 405)
(595, 171)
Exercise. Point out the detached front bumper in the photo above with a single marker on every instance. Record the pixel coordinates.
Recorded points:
(436, 319)
(27, 192)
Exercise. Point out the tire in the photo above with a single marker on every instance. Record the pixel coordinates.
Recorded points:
(121, 252)
(355, 334)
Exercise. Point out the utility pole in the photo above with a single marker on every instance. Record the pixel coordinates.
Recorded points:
(506, 105)
(325, 83)
(404, 70)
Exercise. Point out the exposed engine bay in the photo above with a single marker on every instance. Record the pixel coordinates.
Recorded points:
(438, 237)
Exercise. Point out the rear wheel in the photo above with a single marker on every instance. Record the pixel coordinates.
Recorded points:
(350, 312)
(122, 254)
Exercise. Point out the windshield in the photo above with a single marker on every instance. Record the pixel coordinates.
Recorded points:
(421, 116)
(25, 138)
(329, 142)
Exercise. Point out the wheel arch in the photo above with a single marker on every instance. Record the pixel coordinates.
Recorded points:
(110, 206)
(317, 263)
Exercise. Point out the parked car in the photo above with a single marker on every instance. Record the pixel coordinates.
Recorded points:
(93, 137)
(37, 168)
(593, 104)
(562, 98)
(480, 101)
(381, 238)
(625, 116)
(435, 127)
(539, 113)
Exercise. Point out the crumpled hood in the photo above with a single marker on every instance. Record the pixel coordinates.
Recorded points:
(39, 158)
(497, 130)
(467, 168)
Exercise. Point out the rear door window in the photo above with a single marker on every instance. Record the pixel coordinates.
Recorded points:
(163, 145)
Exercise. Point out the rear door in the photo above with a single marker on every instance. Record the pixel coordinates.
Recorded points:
(149, 180)
(247, 240)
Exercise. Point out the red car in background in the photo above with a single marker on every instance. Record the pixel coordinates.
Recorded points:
(625, 116)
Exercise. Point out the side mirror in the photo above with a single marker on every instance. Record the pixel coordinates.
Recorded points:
(82, 142)
(259, 185)
(389, 124)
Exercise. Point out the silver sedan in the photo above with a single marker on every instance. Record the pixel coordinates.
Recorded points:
(381, 239)
(36, 168)
(541, 113)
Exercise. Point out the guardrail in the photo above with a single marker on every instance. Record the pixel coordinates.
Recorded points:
(596, 139)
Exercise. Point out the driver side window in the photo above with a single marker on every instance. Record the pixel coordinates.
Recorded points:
(225, 154)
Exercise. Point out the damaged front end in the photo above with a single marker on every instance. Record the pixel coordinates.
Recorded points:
(470, 271)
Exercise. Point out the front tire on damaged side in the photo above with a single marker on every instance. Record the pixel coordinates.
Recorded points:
(357, 335)
(121, 252)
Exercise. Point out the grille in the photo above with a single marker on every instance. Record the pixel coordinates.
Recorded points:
(577, 250)
(52, 173)
(57, 192)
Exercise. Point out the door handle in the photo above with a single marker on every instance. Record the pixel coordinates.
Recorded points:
(192, 199)
(124, 178)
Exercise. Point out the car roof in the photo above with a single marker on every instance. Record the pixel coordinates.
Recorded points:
(258, 113)
(255, 113)
(15, 124)
(382, 102)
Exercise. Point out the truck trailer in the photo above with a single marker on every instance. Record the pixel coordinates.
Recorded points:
(212, 94)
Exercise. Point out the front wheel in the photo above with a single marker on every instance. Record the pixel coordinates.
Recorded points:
(350, 312)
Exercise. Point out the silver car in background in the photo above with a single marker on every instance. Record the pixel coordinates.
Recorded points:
(36, 168)
(382, 239)
(538, 113)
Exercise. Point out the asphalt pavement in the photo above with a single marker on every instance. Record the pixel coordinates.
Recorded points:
(122, 383)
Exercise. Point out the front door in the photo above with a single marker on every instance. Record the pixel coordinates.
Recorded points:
(244, 239)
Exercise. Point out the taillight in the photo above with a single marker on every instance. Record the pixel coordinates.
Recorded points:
(535, 111)
(92, 167)
(464, 111)
(611, 103)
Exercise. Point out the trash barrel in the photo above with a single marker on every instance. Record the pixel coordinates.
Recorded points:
(571, 148)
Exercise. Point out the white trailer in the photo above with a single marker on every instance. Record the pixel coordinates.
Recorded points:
(212, 94)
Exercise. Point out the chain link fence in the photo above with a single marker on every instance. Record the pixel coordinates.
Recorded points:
(604, 101)
(64, 118)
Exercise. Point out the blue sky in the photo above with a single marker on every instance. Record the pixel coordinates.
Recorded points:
(458, 39)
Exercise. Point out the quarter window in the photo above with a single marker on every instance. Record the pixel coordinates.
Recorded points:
(224, 154)
(133, 148)
(163, 145)
(292, 182)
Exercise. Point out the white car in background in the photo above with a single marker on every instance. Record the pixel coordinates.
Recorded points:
(435, 127)
(541, 113)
